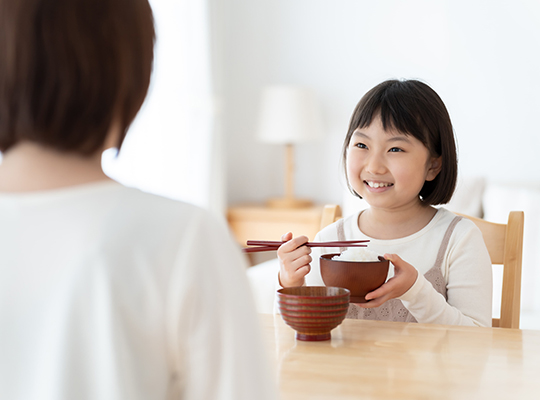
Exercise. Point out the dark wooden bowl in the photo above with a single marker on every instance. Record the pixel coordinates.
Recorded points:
(313, 311)
(360, 277)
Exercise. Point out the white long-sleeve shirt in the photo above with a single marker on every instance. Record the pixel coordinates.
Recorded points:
(110, 293)
(466, 269)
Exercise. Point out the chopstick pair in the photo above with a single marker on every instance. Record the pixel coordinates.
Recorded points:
(269, 245)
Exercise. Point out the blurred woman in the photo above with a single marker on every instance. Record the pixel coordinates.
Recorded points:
(106, 292)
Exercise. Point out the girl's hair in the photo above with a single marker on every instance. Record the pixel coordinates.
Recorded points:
(412, 108)
(71, 68)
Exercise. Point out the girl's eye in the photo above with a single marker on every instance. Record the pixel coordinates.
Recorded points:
(360, 145)
(395, 150)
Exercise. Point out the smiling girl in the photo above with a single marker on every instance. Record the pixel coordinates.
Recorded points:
(400, 157)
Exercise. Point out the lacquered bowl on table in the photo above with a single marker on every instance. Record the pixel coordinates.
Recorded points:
(313, 311)
(360, 277)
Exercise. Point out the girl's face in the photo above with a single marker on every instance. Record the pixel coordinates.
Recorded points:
(387, 168)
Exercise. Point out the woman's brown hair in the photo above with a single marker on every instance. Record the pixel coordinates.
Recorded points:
(412, 108)
(69, 69)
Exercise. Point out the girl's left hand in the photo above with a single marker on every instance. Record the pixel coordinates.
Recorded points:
(404, 277)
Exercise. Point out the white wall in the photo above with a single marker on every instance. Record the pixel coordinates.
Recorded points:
(482, 57)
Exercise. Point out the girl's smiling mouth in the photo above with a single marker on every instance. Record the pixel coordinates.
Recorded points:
(377, 185)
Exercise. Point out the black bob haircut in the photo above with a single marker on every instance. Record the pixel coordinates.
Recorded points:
(412, 108)
(70, 69)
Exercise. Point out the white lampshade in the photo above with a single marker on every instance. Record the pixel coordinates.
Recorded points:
(289, 114)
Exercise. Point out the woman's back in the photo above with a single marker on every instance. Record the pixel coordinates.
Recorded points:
(107, 292)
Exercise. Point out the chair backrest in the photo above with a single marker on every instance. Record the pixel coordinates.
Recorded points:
(505, 247)
(331, 213)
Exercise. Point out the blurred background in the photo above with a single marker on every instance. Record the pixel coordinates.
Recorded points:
(215, 57)
(482, 57)
(197, 139)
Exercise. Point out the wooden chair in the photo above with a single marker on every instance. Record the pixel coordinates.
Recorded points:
(505, 246)
(331, 213)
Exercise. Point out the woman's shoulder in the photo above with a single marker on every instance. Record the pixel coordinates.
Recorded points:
(136, 198)
(145, 208)
(144, 216)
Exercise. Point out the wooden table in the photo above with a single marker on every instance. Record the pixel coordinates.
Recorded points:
(401, 361)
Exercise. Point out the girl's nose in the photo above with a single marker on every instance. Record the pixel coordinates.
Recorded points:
(375, 164)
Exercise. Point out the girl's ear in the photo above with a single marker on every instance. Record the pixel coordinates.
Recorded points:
(434, 167)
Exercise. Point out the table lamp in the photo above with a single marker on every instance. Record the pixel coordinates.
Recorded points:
(289, 115)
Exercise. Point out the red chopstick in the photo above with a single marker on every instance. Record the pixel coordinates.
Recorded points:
(334, 243)
(269, 245)
(259, 248)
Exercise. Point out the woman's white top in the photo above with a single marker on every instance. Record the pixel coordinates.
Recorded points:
(466, 268)
(110, 293)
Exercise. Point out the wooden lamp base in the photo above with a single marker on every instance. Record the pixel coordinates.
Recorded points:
(289, 201)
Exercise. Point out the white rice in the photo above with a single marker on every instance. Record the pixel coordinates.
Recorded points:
(357, 254)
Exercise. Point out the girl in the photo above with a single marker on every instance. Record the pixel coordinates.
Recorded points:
(400, 156)
(106, 292)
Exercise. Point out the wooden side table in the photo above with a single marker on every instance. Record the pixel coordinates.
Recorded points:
(257, 222)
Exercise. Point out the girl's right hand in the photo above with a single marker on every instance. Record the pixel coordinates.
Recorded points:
(294, 260)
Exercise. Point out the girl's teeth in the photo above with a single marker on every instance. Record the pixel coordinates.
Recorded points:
(378, 185)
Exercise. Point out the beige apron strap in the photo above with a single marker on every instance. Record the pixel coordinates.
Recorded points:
(435, 275)
(445, 241)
